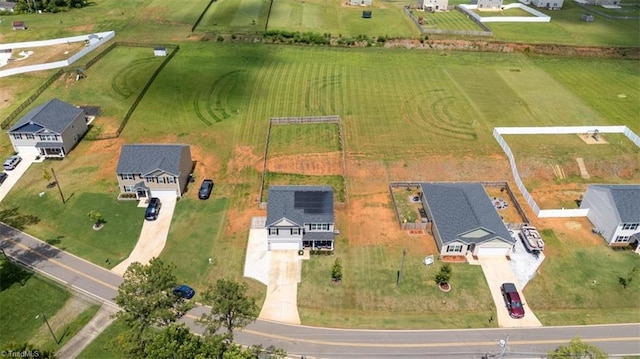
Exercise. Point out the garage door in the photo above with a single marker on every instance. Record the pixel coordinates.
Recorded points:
(492, 251)
(27, 150)
(164, 193)
(285, 246)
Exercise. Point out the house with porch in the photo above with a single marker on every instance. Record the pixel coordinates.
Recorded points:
(153, 170)
(614, 210)
(300, 217)
(464, 220)
(433, 5)
(50, 130)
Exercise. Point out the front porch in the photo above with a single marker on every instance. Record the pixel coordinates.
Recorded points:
(50, 149)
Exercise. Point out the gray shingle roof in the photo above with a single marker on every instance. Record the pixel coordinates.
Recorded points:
(147, 158)
(626, 199)
(460, 208)
(54, 115)
(300, 204)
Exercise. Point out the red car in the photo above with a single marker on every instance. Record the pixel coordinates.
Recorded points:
(512, 299)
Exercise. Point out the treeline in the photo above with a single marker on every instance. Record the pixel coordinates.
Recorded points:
(296, 37)
(53, 6)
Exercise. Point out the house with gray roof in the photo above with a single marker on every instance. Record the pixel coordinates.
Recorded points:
(153, 170)
(50, 130)
(300, 217)
(464, 220)
(615, 211)
(7, 6)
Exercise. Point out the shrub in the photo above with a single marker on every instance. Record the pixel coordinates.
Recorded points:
(444, 275)
(336, 271)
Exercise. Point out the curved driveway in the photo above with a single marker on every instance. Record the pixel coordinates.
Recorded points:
(617, 339)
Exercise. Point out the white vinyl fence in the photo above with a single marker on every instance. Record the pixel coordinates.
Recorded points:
(555, 130)
(102, 36)
(538, 16)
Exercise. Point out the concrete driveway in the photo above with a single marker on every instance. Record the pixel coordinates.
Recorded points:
(497, 270)
(153, 237)
(14, 175)
(280, 271)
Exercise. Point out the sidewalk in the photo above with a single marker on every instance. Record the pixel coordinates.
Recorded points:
(88, 333)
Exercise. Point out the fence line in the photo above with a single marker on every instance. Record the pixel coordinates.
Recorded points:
(7, 121)
(554, 130)
(486, 32)
(195, 24)
(538, 16)
(303, 120)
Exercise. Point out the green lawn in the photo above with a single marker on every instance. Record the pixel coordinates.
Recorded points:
(567, 291)
(24, 298)
(102, 347)
(449, 20)
(235, 16)
(292, 139)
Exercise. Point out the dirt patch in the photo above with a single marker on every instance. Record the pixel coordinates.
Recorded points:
(571, 232)
(6, 97)
(242, 158)
(307, 164)
(109, 163)
(590, 139)
(43, 54)
(206, 166)
(83, 28)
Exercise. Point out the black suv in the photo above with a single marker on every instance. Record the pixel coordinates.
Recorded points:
(205, 189)
(3, 177)
(153, 209)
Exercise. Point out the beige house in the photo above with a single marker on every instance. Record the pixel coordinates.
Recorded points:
(154, 170)
(433, 5)
(50, 130)
(488, 4)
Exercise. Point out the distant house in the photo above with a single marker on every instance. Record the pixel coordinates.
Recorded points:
(50, 130)
(488, 4)
(615, 211)
(19, 25)
(548, 4)
(7, 6)
(300, 217)
(603, 2)
(361, 2)
(464, 220)
(433, 5)
(154, 170)
(160, 51)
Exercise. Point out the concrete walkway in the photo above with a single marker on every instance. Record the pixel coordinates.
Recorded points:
(497, 270)
(153, 237)
(88, 333)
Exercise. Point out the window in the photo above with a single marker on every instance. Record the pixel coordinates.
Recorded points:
(48, 137)
(149, 179)
(273, 231)
(622, 239)
(319, 226)
(160, 179)
(30, 136)
(128, 188)
(171, 180)
(17, 136)
(632, 226)
(295, 231)
(127, 176)
(454, 248)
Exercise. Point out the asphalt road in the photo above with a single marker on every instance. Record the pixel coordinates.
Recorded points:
(617, 339)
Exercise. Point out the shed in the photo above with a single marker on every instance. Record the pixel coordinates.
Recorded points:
(19, 25)
(160, 51)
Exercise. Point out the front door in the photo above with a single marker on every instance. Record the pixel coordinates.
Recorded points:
(471, 248)
(142, 193)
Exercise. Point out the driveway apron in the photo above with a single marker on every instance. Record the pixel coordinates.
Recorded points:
(497, 271)
(153, 237)
(281, 303)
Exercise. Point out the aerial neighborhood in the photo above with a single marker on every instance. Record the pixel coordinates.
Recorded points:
(319, 179)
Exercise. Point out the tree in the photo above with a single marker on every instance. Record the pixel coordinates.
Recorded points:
(444, 275)
(336, 271)
(46, 175)
(146, 297)
(97, 219)
(231, 307)
(174, 342)
(577, 349)
(14, 350)
(626, 281)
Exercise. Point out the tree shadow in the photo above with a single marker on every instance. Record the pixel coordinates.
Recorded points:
(12, 273)
(13, 217)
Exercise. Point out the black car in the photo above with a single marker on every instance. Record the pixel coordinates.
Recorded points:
(184, 291)
(3, 177)
(205, 189)
(153, 209)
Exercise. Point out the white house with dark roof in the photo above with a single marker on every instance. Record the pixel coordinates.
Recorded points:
(615, 211)
(154, 170)
(300, 217)
(7, 6)
(50, 130)
(463, 219)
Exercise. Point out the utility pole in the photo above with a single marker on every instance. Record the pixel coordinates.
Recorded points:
(58, 185)
(503, 344)
(48, 326)
(404, 254)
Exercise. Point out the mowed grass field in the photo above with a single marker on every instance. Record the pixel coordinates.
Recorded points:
(395, 105)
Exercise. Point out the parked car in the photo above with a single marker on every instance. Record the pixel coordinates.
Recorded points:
(184, 291)
(11, 162)
(512, 299)
(3, 177)
(205, 189)
(153, 208)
